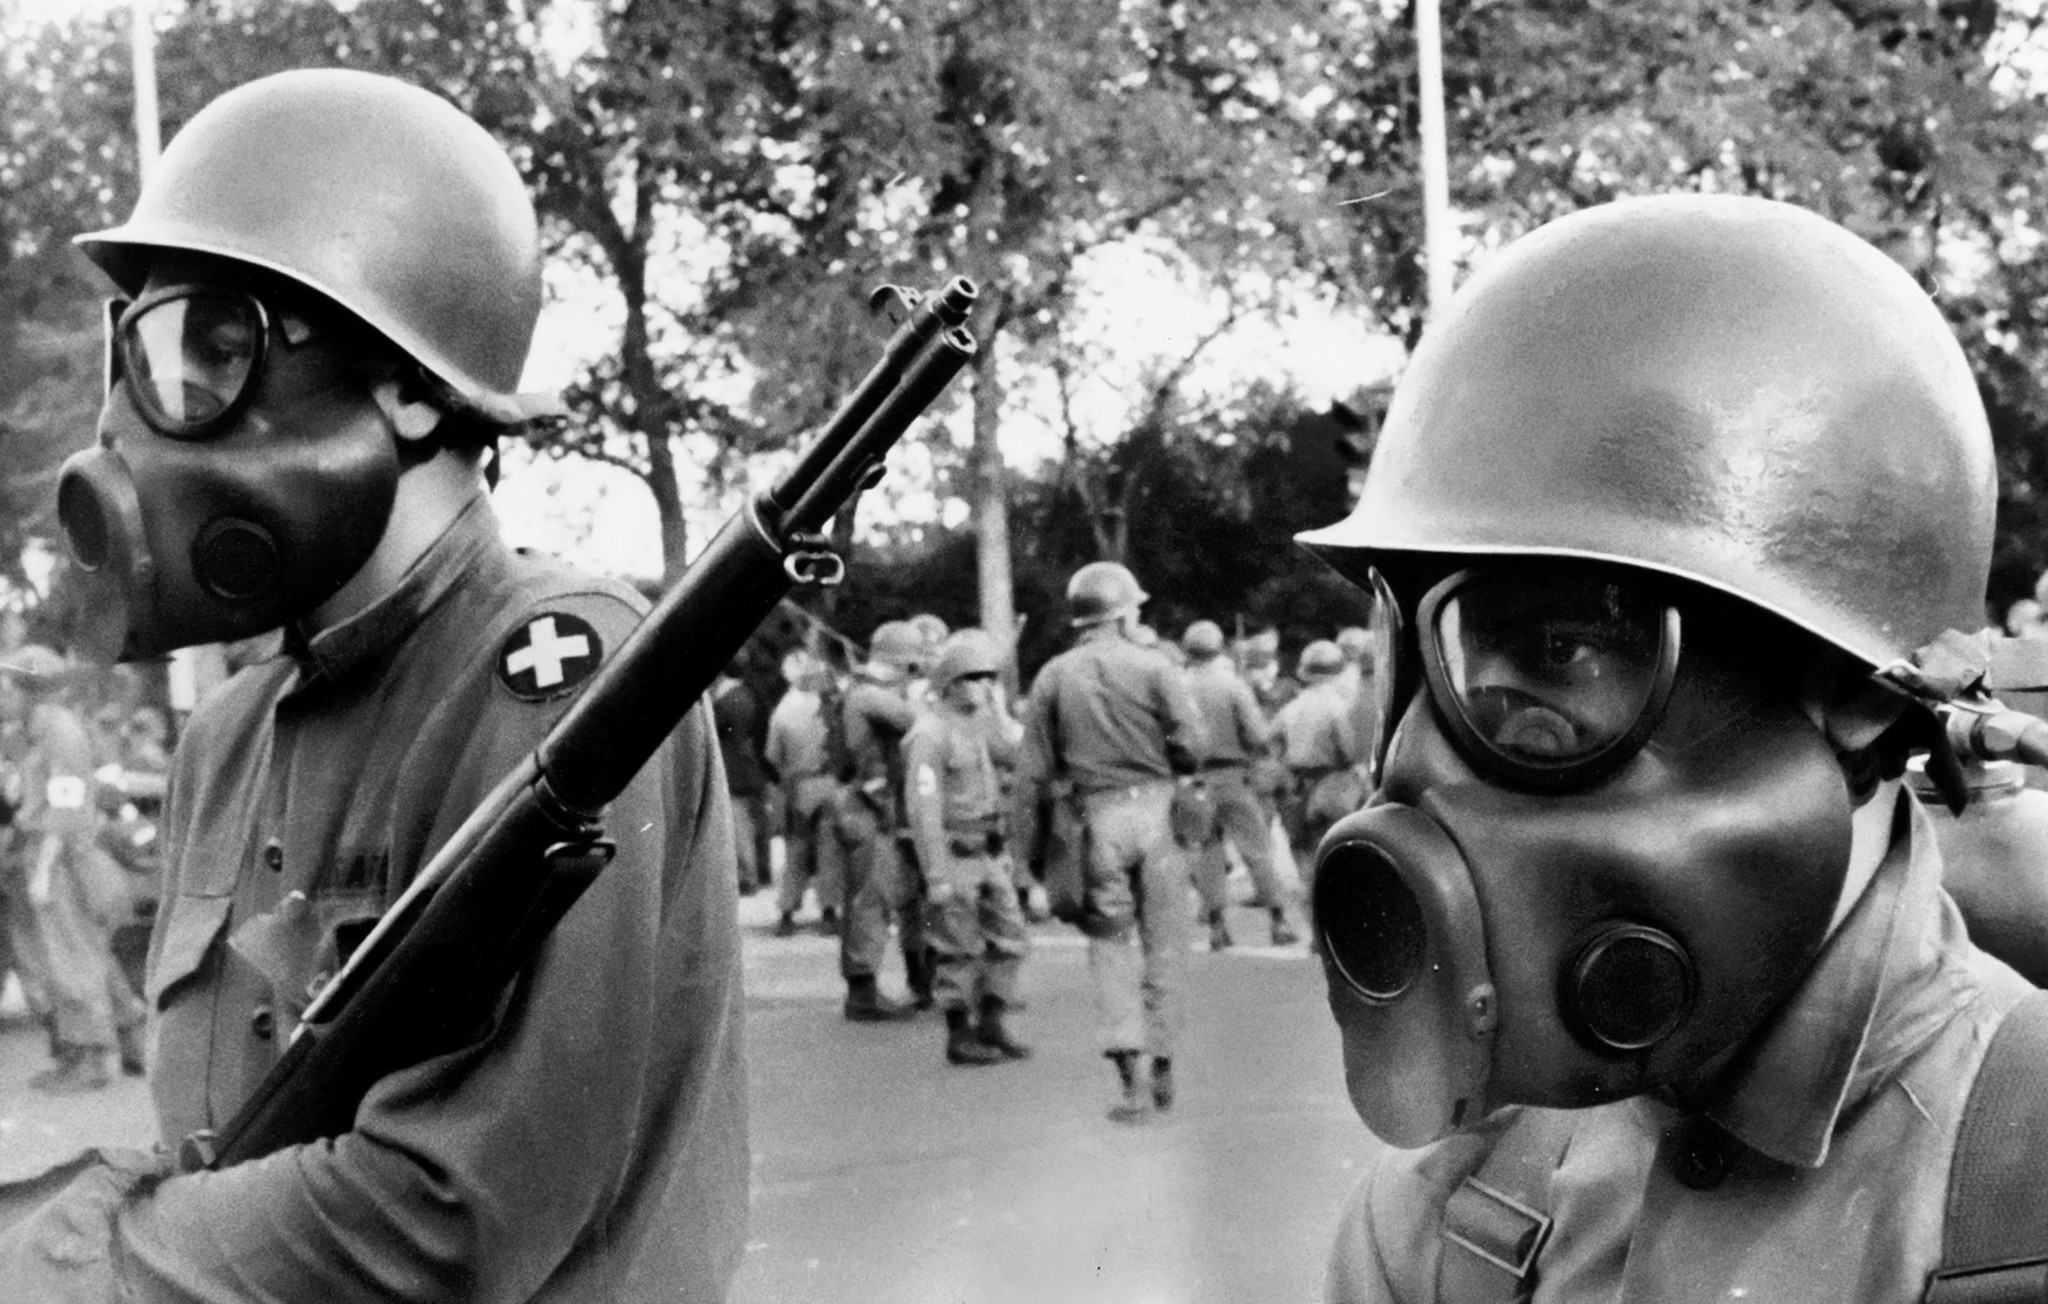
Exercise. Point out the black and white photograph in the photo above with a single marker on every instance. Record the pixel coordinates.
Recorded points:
(1015, 651)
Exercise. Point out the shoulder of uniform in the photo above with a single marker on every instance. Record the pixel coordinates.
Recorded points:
(565, 624)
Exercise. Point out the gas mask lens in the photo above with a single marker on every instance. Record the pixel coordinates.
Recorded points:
(1548, 678)
(191, 356)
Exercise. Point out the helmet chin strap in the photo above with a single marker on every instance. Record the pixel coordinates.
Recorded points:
(1870, 837)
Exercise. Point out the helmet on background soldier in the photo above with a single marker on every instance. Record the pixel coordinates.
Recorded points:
(1102, 591)
(1202, 641)
(896, 645)
(932, 629)
(965, 653)
(1320, 660)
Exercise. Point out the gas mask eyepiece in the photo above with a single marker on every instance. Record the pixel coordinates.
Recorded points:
(1548, 679)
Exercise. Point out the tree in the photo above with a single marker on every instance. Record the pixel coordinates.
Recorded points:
(1914, 124)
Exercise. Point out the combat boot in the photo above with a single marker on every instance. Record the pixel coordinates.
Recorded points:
(1283, 932)
(917, 975)
(964, 1045)
(994, 1034)
(1219, 932)
(786, 926)
(78, 1070)
(1162, 1082)
(866, 1004)
(1132, 1107)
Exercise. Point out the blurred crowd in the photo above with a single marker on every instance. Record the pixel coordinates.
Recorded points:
(84, 756)
(829, 774)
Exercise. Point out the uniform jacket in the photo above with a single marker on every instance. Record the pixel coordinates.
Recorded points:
(954, 788)
(1109, 714)
(1827, 1165)
(796, 736)
(1315, 731)
(1234, 728)
(877, 716)
(590, 1144)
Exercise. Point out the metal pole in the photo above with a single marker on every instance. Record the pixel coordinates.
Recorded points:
(1438, 243)
(148, 131)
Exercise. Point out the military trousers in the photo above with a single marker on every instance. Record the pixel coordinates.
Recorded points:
(1245, 825)
(1137, 890)
(89, 996)
(882, 885)
(977, 934)
(807, 804)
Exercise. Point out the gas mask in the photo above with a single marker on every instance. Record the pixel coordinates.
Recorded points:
(1605, 845)
(238, 481)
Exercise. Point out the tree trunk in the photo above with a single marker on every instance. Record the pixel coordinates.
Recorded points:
(991, 505)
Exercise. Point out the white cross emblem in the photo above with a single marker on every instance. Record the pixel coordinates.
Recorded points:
(545, 653)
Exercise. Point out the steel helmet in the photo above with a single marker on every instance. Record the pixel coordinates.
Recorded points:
(896, 643)
(1320, 660)
(965, 652)
(931, 628)
(34, 666)
(1730, 390)
(1202, 640)
(1102, 590)
(382, 196)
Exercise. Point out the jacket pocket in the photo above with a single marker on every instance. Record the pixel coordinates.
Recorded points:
(190, 927)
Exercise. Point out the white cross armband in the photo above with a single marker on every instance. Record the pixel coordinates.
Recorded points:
(927, 781)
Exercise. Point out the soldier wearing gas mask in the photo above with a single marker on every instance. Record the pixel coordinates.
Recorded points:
(330, 285)
(1639, 951)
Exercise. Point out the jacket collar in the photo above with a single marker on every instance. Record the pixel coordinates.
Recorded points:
(1877, 993)
(332, 653)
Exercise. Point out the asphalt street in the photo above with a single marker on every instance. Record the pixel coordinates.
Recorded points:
(882, 1173)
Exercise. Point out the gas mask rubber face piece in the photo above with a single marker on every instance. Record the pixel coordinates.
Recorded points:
(1596, 860)
(240, 477)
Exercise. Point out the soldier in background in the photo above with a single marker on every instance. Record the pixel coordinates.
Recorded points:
(955, 803)
(866, 832)
(1114, 720)
(1315, 736)
(75, 889)
(1237, 735)
(795, 756)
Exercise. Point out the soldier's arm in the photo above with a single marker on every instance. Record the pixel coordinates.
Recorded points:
(1252, 725)
(924, 763)
(1179, 722)
(1036, 765)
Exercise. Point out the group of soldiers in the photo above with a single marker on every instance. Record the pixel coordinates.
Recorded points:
(1636, 942)
(889, 772)
(911, 798)
(82, 775)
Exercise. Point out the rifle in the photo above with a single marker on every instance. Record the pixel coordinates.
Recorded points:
(432, 969)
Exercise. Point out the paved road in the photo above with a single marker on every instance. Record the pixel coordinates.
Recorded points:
(881, 1173)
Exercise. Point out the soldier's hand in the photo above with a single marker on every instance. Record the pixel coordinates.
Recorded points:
(56, 1229)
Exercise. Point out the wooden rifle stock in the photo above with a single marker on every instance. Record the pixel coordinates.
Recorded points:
(433, 968)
